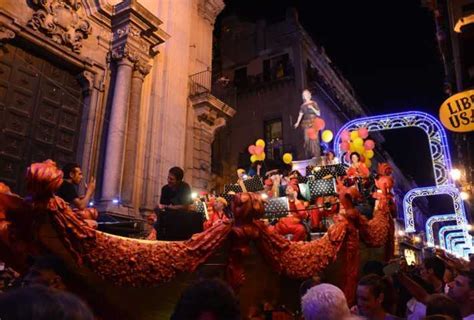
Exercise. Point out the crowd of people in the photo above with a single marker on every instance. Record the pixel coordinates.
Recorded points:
(440, 287)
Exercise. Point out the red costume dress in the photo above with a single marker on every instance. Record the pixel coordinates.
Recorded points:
(360, 171)
(292, 223)
(216, 216)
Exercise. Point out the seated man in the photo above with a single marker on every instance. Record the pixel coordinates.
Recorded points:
(176, 195)
(72, 179)
(67, 191)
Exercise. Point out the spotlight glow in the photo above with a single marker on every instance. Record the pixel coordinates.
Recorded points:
(115, 201)
(464, 195)
(91, 204)
(455, 174)
(401, 233)
(264, 196)
(417, 239)
(194, 195)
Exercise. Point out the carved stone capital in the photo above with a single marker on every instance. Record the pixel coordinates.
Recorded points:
(62, 21)
(124, 52)
(209, 9)
(141, 69)
(5, 34)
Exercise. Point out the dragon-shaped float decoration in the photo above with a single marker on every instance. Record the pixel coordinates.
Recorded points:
(43, 223)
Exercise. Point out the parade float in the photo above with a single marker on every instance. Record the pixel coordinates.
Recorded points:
(142, 279)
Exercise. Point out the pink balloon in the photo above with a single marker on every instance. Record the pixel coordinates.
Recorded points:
(251, 149)
(313, 136)
(369, 144)
(363, 132)
(345, 146)
(345, 136)
(258, 150)
(319, 124)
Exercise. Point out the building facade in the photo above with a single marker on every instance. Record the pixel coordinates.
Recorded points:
(454, 22)
(107, 84)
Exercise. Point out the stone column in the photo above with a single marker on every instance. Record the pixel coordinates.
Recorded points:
(117, 125)
(129, 168)
(205, 125)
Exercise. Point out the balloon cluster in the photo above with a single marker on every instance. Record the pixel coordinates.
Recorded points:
(318, 125)
(356, 141)
(257, 151)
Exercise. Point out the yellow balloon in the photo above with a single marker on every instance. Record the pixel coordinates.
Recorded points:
(352, 147)
(287, 158)
(354, 135)
(253, 158)
(358, 142)
(360, 150)
(369, 154)
(260, 143)
(368, 163)
(261, 156)
(327, 135)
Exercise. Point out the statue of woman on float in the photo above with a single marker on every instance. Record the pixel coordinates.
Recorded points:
(309, 111)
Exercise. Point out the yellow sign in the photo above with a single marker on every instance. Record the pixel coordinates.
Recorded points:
(457, 112)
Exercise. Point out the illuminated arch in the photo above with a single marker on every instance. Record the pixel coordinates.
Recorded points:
(451, 238)
(435, 132)
(451, 191)
(436, 219)
(442, 234)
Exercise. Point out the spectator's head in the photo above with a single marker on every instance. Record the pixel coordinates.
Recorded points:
(41, 303)
(73, 172)
(151, 218)
(355, 157)
(432, 269)
(306, 95)
(440, 304)
(207, 300)
(461, 289)
(370, 295)
(324, 299)
(175, 176)
(46, 271)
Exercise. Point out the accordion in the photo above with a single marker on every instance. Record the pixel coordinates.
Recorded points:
(322, 187)
(335, 170)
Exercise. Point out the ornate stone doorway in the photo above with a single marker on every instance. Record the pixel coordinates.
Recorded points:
(40, 113)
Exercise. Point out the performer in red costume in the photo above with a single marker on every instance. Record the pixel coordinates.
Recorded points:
(357, 169)
(292, 224)
(217, 214)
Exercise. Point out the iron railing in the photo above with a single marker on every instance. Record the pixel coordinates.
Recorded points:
(202, 83)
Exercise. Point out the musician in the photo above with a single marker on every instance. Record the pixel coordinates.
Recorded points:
(329, 158)
(357, 169)
(241, 176)
(219, 204)
(293, 223)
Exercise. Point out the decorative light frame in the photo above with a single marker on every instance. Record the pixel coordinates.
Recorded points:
(439, 148)
(450, 238)
(441, 161)
(451, 191)
(442, 234)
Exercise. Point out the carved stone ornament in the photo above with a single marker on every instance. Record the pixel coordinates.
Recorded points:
(60, 20)
(5, 34)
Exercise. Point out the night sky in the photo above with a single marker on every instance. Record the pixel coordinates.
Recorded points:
(387, 51)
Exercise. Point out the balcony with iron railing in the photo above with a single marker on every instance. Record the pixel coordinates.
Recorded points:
(202, 84)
